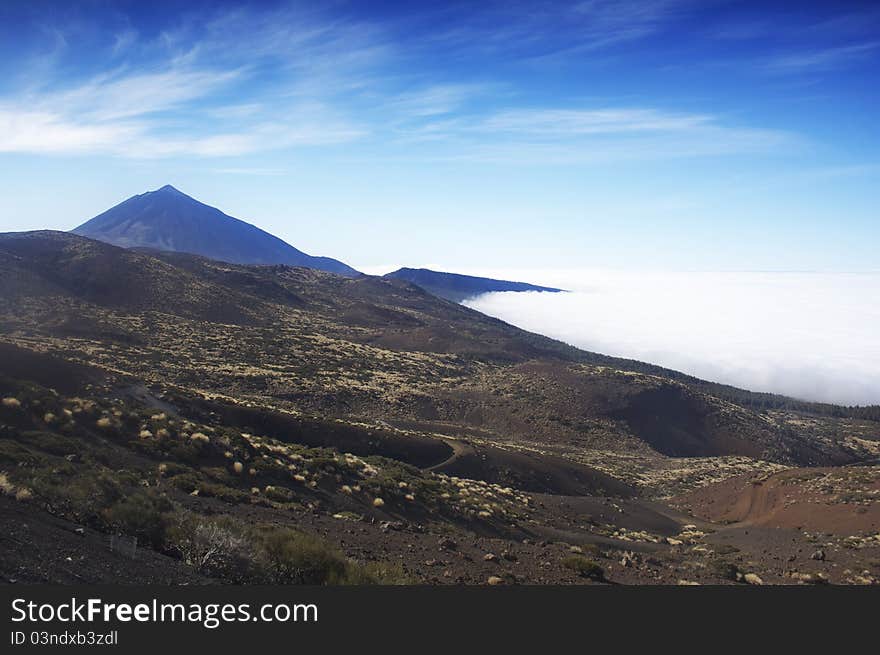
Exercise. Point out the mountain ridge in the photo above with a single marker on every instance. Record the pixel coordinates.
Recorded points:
(457, 287)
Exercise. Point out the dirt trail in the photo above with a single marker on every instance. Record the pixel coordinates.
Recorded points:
(459, 450)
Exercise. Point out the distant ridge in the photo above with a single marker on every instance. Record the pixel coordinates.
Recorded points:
(456, 288)
(168, 219)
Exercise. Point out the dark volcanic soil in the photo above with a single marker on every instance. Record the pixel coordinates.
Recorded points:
(36, 547)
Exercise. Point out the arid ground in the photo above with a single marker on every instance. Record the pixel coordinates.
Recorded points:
(283, 425)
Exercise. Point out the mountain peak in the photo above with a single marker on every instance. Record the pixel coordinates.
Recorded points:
(168, 219)
(170, 190)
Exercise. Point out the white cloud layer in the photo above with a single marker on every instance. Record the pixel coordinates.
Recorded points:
(807, 335)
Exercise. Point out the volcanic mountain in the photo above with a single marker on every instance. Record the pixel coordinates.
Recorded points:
(456, 287)
(167, 219)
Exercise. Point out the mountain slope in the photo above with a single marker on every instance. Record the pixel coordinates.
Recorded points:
(375, 349)
(167, 219)
(51, 265)
(164, 395)
(456, 287)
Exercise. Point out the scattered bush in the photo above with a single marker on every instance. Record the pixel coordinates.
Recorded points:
(49, 442)
(383, 573)
(230, 550)
(141, 515)
(80, 496)
(6, 486)
(278, 494)
(216, 547)
(301, 559)
(584, 567)
(723, 569)
(220, 491)
(589, 549)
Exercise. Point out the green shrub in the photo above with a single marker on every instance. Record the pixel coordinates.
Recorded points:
(278, 494)
(186, 482)
(11, 452)
(188, 452)
(222, 492)
(50, 442)
(590, 549)
(141, 515)
(173, 469)
(81, 497)
(296, 558)
(723, 569)
(373, 573)
(228, 549)
(584, 567)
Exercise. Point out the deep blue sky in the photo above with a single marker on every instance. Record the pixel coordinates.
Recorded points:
(673, 134)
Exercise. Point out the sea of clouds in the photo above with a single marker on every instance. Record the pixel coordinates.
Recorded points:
(814, 336)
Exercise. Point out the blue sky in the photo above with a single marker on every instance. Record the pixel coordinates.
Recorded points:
(674, 134)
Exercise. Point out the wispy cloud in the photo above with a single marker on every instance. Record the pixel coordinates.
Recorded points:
(435, 100)
(823, 59)
(796, 25)
(243, 81)
(567, 122)
(568, 136)
(545, 31)
(260, 172)
(121, 95)
(122, 41)
(610, 22)
(43, 132)
(125, 129)
(796, 42)
(182, 94)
